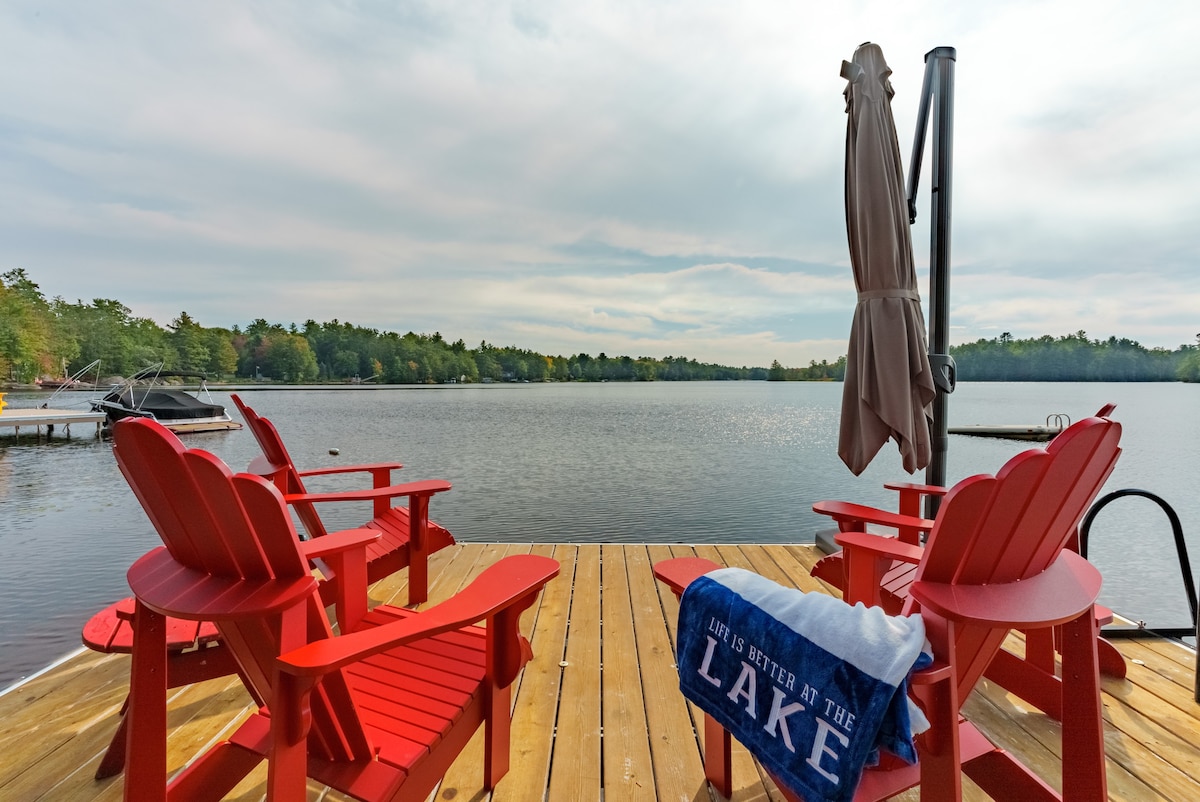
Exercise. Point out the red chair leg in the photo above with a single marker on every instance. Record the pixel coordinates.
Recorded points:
(1084, 777)
(146, 774)
(113, 762)
(497, 736)
(418, 556)
(718, 756)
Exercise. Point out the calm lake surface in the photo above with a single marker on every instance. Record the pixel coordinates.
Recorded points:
(664, 462)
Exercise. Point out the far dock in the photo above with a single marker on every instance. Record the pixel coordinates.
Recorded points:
(1037, 433)
(48, 418)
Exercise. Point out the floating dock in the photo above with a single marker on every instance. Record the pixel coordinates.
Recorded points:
(1037, 433)
(598, 711)
(47, 418)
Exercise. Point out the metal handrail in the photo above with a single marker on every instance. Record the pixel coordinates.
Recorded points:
(1185, 569)
(1061, 420)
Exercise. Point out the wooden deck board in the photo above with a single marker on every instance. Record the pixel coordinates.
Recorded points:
(750, 783)
(630, 777)
(536, 698)
(578, 720)
(611, 722)
(674, 747)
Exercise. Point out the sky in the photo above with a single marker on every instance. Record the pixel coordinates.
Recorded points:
(634, 178)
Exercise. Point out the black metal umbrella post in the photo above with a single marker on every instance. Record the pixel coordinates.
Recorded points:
(937, 91)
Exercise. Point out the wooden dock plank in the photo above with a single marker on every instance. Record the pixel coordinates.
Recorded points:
(678, 772)
(85, 693)
(750, 781)
(628, 765)
(1184, 657)
(465, 776)
(1160, 672)
(579, 714)
(612, 723)
(57, 747)
(36, 418)
(536, 697)
(394, 589)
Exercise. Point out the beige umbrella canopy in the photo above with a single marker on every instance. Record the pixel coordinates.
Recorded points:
(889, 387)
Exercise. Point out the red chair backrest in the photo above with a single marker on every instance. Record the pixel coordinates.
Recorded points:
(236, 527)
(276, 464)
(1014, 525)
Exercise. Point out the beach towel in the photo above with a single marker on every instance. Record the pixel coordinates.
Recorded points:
(812, 686)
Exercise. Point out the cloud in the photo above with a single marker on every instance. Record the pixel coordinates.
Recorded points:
(621, 177)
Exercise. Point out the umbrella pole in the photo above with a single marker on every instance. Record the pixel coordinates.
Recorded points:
(938, 91)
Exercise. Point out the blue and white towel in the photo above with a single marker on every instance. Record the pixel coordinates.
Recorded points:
(812, 686)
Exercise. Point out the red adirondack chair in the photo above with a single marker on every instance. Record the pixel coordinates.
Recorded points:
(377, 712)
(994, 561)
(195, 649)
(406, 535)
(910, 527)
(1030, 677)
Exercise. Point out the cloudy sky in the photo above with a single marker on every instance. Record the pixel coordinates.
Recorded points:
(636, 178)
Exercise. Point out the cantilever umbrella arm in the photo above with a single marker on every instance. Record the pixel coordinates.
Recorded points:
(937, 92)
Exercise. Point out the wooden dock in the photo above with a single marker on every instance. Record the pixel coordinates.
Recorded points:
(1036, 433)
(598, 714)
(37, 419)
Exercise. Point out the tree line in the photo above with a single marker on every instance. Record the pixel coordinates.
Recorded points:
(54, 337)
(1073, 357)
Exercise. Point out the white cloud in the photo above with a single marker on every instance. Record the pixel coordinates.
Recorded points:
(621, 177)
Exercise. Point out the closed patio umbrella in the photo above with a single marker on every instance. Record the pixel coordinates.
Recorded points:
(889, 387)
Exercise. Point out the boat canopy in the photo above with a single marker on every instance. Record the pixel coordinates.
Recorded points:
(164, 403)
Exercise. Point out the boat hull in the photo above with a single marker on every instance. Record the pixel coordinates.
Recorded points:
(174, 409)
(177, 425)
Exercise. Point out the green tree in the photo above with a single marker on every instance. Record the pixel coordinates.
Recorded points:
(191, 344)
(106, 330)
(286, 356)
(27, 330)
(465, 367)
(1189, 365)
(344, 364)
(486, 364)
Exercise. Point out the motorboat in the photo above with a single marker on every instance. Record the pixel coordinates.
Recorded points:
(145, 394)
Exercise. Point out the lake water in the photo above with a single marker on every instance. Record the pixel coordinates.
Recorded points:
(665, 462)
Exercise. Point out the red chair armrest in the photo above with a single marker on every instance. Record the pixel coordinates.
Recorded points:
(338, 542)
(870, 545)
(866, 559)
(911, 495)
(425, 488)
(938, 671)
(261, 466)
(512, 582)
(384, 468)
(920, 489)
(679, 572)
(346, 553)
(854, 517)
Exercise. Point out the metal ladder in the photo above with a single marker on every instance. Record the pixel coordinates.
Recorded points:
(1141, 629)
